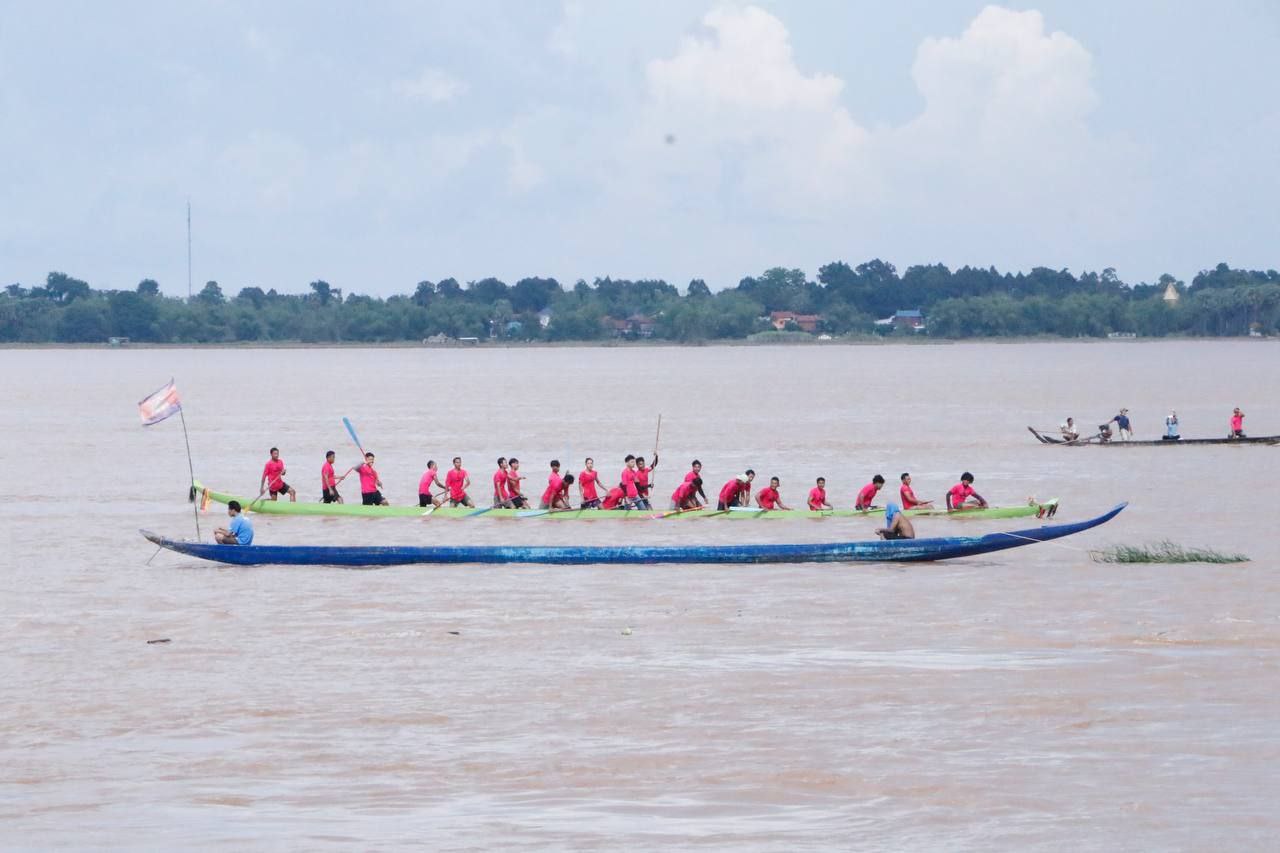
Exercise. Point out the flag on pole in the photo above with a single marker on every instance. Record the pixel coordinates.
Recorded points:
(162, 404)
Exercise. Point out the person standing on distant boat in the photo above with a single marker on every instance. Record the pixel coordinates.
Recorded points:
(588, 480)
(818, 496)
(501, 497)
(695, 473)
(1171, 427)
(642, 481)
(370, 483)
(962, 491)
(328, 481)
(1122, 425)
(457, 482)
(1068, 430)
(908, 495)
(1237, 424)
(238, 532)
(429, 479)
(686, 495)
(868, 494)
(273, 477)
(515, 498)
(769, 498)
(554, 482)
(628, 481)
(736, 492)
(896, 524)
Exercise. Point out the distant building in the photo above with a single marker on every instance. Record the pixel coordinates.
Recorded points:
(637, 325)
(913, 320)
(1171, 294)
(544, 317)
(804, 322)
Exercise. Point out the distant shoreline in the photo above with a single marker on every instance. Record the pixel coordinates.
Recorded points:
(869, 340)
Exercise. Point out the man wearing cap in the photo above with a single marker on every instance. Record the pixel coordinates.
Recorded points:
(736, 492)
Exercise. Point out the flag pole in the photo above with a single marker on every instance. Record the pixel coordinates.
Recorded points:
(195, 505)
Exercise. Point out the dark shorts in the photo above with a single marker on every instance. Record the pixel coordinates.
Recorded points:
(284, 488)
(371, 498)
(454, 501)
(893, 534)
(424, 500)
(330, 496)
(595, 504)
(518, 501)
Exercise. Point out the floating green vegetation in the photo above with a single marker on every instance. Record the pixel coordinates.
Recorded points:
(1163, 552)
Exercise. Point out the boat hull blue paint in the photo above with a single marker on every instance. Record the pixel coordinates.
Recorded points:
(873, 551)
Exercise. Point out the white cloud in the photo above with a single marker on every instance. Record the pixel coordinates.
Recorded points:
(432, 85)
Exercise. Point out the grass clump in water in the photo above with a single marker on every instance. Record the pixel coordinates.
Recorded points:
(1163, 552)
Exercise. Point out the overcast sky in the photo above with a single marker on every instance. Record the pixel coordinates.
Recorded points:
(376, 145)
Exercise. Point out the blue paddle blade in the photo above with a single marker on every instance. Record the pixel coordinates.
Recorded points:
(352, 431)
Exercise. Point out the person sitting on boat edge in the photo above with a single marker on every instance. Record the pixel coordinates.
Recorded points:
(457, 482)
(1069, 431)
(1237, 424)
(695, 472)
(370, 483)
(818, 496)
(1171, 426)
(962, 491)
(736, 492)
(238, 532)
(686, 495)
(559, 500)
(515, 498)
(896, 524)
(768, 497)
(431, 477)
(868, 494)
(329, 482)
(273, 477)
(908, 495)
(588, 479)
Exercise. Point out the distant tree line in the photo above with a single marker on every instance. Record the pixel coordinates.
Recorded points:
(968, 302)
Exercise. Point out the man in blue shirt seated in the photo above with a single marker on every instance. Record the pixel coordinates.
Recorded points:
(238, 532)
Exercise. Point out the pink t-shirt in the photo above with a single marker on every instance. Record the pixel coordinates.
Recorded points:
(628, 481)
(732, 489)
(768, 497)
(817, 498)
(587, 480)
(500, 484)
(454, 483)
(428, 480)
(866, 496)
(642, 480)
(272, 471)
(513, 482)
(554, 482)
(614, 498)
(908, 496)
(368, 478)
(1237, 423)
(327, 477)
(683, 492)
(960, 492)
(691, 476)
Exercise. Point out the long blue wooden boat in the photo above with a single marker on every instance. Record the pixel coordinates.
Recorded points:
(874, 551)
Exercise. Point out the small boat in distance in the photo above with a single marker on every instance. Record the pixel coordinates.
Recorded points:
(1164, 442)
(873, 551)
(1039, 509)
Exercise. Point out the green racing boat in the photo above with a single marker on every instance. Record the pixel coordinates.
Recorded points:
(1039, 509)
